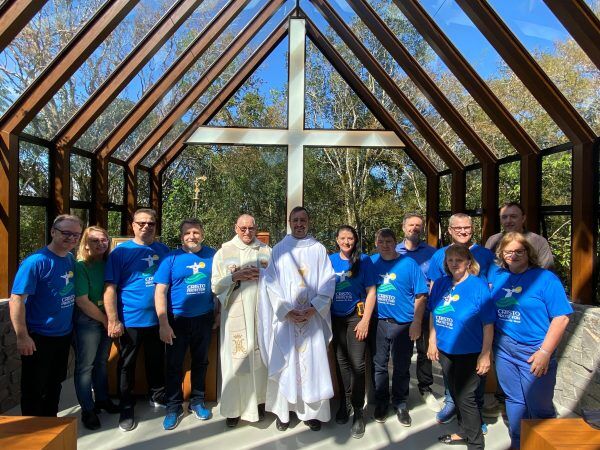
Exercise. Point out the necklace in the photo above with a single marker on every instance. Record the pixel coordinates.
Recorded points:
(515, 278)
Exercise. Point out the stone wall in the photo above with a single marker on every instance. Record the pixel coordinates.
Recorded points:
(578, 379)
(10, 362)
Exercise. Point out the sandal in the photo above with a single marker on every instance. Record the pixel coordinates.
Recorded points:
(447, 439)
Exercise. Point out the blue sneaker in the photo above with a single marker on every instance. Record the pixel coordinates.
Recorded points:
(484, 428)
(447, 414)
(172, 419)
(200, 411)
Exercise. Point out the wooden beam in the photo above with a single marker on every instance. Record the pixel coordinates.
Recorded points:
(60, 180)
(9, 210)
(468, 76)
(64, 65)
(422, 80)
(100, 191)
(458, 193)
(490, 179)
(581, 23)
(124, 73)
(388, 85)
(433, 210)
(527, 69)
(156, 192)
(131, 199)
(14, 16)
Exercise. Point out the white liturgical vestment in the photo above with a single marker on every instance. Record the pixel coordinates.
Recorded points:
(299, 275)
(243, 374)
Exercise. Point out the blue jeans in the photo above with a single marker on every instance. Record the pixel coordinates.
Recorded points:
(527, 396)
(92, 347)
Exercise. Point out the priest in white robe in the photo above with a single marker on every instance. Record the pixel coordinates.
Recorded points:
(295, 326)
(236, 271)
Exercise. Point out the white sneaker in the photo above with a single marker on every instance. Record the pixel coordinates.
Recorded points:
(432, 402)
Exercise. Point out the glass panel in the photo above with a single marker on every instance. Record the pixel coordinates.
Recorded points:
(114, 223)
(34, 166)
(556, 179)
(557, 53)
(116, 184)
(594, 6)
(445, 238)
(557, 229)
(509, 186)
(446, 192)
(81, 178)
(32, 229)
(366, 188)
(143, 188)
(473, 197)
(499, 77)
(38, 43)
(83, 214)
(238, 180)
(476, 221)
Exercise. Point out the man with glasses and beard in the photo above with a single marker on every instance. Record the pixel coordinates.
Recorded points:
(129, 305)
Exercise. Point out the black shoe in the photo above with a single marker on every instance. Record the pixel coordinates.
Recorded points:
(358, 424)
(127, 420)
(232, 421)
(107, 406)
(158, 400)
(447, 439)
(90, 420)
(343, 414)
(313, 424)
(380, 413)
(281, 426)
(261, 412)
(404, 417)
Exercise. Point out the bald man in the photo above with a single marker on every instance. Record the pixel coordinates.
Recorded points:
(236, 269)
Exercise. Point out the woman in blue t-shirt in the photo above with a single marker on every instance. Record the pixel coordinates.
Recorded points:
(351, 311)
(462, 330)
(532, 314)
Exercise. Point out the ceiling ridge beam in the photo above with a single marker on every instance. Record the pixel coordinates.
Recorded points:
(173, 74)
(125, 72)
(14, 16)
(528, 71)
(388, 85)
(206, 79)
(64, 65)
(468, 77)
(367, 97)
(581, 23)
(221, 99)
(422, 80)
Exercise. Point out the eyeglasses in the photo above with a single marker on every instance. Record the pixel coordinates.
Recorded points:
(520, 252)
(468, 228)
(98, 241)
(143, 224)
(68, 234)
(246, 229)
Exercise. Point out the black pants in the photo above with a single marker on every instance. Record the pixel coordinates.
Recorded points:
(424, 369)
(461, 375)
(42, 374)
(349, 360)
(154, 352)
(195, 333)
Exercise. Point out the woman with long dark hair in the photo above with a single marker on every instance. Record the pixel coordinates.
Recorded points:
(351, 312)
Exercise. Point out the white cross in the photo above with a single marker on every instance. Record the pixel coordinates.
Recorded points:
(195, 268)
(149, 259)
(343, 274)
(67, 276)
(295, 137)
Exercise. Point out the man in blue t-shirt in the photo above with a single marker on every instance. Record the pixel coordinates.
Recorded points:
(413, 247)
(129, 306)
(41, 311)
(401, 298)
(185, 308)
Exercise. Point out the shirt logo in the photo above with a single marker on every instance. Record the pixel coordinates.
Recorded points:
(386, 286)
(447, 307)
(68, 287)
(342, 283)
(150, 259)
(196, 274)
(508, 300)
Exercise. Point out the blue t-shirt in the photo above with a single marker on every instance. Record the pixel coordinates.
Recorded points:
(47, 279)
(131, 267)
(459, 314)
(399, 280)
(482, 255)
(527, 302)
(349, 290)
(422, 254)
(188, 275)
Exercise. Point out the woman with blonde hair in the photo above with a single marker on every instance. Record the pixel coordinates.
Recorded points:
(532, 313)
(462, 330)
(92, 344)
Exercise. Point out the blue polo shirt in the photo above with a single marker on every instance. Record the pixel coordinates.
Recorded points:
(47, 280)
(131, 267)
(482, 255)
(350, 288)
(188, 276)
(422, 254)
(399, 280)
(459, 314)
(527, 302)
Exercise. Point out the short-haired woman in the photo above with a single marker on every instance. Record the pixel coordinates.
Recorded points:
(532, 314)
(462, 331)
(92, 344)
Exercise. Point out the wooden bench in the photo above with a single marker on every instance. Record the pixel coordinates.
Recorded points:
(32, 433)
(572, 434)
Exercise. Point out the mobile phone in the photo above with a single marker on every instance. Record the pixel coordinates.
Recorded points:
(360, 309)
